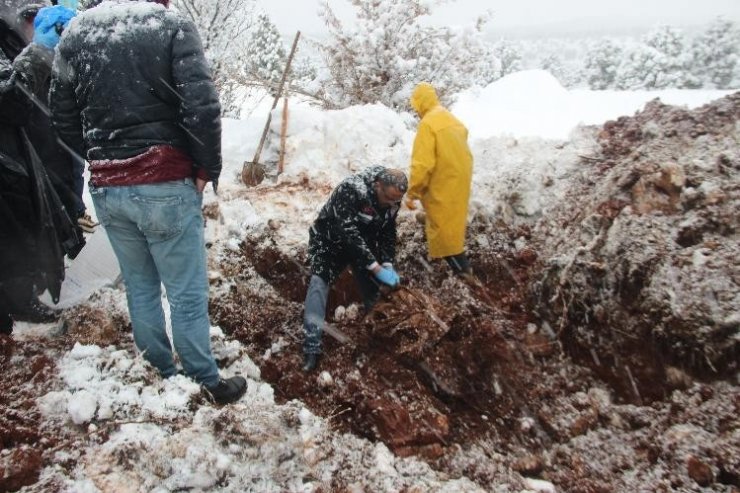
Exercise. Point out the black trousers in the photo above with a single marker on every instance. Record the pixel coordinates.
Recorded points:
(328, 261)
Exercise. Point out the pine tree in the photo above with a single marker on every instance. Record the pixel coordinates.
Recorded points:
(602, 62)
(566, 74)
(508, 56)
(387, 50)
(715, 54)
(672, 66)
(640, 68)
(266, 56)
(658, 61)
(562, 57)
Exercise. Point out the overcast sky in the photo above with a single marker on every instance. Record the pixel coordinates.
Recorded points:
(292, 15)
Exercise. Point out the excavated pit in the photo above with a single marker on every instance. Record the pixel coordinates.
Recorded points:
(442, 365)
(526, 360)
(422, 370)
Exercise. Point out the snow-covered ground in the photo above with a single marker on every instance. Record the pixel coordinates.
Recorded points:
(141, 433)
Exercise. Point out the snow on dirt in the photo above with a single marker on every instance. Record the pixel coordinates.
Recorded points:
(446, 386)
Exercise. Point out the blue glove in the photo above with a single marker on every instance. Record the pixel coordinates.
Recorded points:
(388, 276)
(389, 266)
(49, 24)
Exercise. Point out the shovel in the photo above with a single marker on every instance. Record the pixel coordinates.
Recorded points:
(253, 172)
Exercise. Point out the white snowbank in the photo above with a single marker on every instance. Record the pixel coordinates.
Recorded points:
(532, 103)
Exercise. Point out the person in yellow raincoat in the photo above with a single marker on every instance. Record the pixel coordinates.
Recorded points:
(441, 173)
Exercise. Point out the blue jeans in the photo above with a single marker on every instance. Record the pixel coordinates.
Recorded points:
(156, 232)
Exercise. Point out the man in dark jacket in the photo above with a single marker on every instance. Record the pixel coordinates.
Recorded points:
(37, 177)
(357, 228)
(132, 92)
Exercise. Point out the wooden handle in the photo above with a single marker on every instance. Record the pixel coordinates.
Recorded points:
(275, 100)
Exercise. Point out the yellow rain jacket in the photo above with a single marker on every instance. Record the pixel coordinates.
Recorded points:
(441, 172)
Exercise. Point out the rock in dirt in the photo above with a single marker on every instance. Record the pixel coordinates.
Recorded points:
(699, 471)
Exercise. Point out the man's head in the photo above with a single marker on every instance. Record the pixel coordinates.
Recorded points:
(390, 185)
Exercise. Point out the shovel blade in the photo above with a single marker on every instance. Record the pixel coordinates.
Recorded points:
(252, 173)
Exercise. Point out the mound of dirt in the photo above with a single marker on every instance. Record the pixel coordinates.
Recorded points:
(640, 268)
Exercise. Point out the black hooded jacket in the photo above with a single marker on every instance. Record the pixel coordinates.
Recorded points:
(352, 226)
(36, 227)
(132, 75)
(16, 204)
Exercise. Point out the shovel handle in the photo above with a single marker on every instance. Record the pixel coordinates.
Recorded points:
(277, 96)
(275, 100)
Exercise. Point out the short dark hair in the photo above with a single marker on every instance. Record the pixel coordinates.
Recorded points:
(393, 177)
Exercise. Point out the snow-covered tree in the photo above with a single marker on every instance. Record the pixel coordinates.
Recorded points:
(667, 40)
(658, 61)
(387, 50)
(266, 55)
(672, 66)
(224, 27)
(715, 54)
(602, 62)
(508, 57)
(562, 57)
(641, 68)
(304, 69)
(552, 64)
(567, 74)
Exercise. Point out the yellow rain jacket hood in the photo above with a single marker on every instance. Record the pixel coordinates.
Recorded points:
(441, 173)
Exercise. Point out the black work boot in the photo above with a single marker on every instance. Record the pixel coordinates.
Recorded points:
(226, 391)
(310, 361)
(36, 312)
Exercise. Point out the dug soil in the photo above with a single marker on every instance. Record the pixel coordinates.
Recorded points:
(596, 347)
(443, 365)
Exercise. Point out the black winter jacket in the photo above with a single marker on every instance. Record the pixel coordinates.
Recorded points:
(64, 169)
(128, 76)
(36, 227)
(17, 243)
(352, 223)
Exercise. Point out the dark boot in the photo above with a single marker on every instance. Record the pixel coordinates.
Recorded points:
(460, 265)
(226, 391)
(310, 361)
(36, 312)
